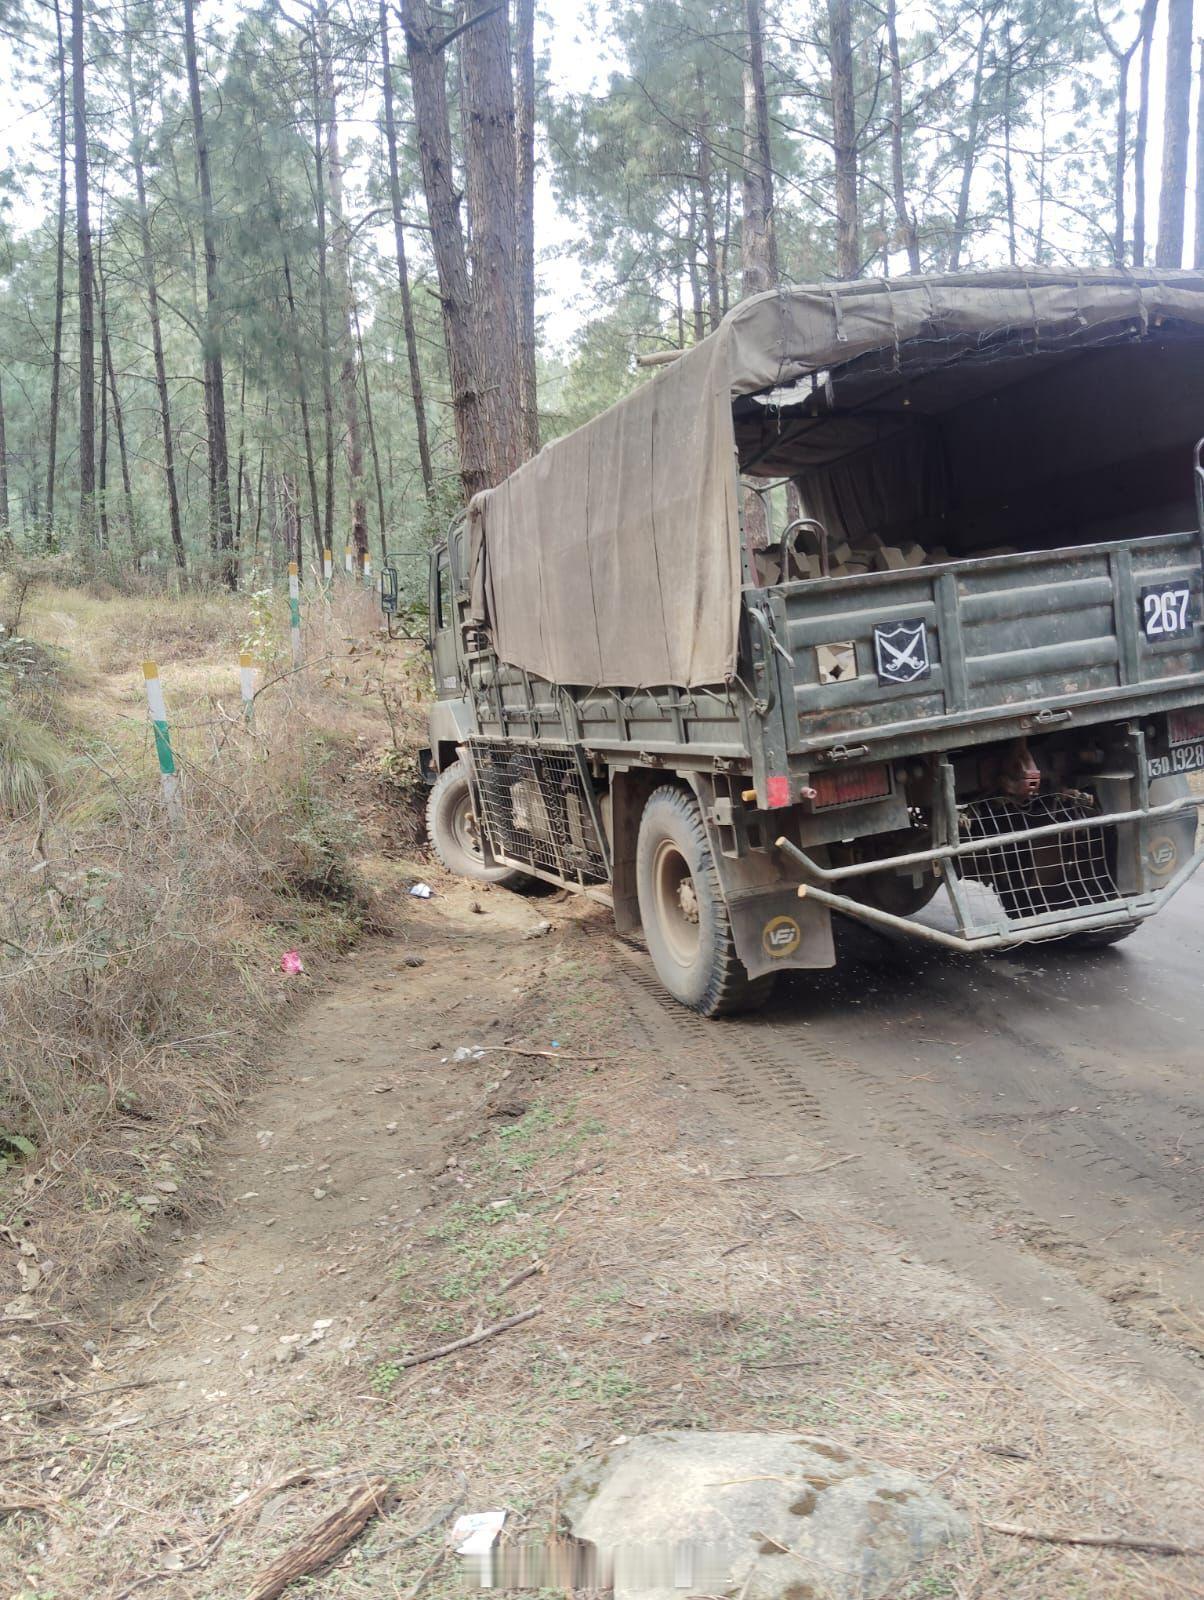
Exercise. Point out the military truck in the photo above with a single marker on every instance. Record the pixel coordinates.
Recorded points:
(884, 589)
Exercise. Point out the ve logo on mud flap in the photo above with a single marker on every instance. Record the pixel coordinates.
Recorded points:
(1163, 855)
(781, 936)
(901, 651)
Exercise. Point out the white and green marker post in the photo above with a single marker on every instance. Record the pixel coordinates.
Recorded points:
(157, 706)
(294, 610)
(246, 684)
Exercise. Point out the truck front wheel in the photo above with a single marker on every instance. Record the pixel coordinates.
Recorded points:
(452, 828)
(686, 925)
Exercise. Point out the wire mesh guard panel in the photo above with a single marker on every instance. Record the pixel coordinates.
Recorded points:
(1042, 877)
(535, 810)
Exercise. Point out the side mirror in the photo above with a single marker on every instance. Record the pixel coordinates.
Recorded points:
(389, 591)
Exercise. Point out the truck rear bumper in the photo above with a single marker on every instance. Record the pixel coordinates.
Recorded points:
(1095, 911)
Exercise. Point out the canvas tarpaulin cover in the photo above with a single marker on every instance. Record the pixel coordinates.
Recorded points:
(613, 557)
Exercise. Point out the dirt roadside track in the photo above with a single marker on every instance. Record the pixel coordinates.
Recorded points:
(1041, 1107)
(974, 1253)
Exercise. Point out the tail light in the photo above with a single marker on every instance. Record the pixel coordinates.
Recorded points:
(848, 788)
(1186, 727)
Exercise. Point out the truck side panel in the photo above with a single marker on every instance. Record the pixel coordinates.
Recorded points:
(991, 638)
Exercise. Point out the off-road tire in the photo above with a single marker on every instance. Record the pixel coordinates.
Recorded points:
(451, 829)
(1100, 938)
(686, 924)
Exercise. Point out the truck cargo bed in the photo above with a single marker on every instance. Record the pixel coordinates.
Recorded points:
(1111, 628)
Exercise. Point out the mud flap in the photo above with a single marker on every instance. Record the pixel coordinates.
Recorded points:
(773, 929)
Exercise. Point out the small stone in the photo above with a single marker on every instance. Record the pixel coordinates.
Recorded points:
(538, 931)
(319, 1194)
(413, 961)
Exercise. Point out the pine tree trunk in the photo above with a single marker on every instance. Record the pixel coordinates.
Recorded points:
(263, 453)
(311, 472)
(417, 396)
(56, 354)
(380, 488)
(1199, 253)
(903, 217)
(759, 253)
(1176, 113)
(706, 189)
(152, 308)
(222, 527)
(1149, 16)
(971, 151)
(127, 486)
(348, 376)
(844, 138)
(239, 455)
(697, 308)
(326, 538)
(424, 51)
(490, 167)
(102, 455)
(524, 64)
(110, 372)
(1009, 186)
(1120, 158)
(87, 307)
(6, 537)
(102, 471)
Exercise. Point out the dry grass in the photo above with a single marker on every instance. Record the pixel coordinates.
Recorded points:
(139, 968)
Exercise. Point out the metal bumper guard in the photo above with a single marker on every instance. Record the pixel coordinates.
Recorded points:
(1053, 925)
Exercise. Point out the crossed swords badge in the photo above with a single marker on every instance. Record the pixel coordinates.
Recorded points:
(901, 651)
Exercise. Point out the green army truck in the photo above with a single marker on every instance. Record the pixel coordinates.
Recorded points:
(884, 589)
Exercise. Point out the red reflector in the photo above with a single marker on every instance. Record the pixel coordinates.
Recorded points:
(777, 792)
(846, 788)
(1185, 727)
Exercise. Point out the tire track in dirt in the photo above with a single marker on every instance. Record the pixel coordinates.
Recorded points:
(963, 1208)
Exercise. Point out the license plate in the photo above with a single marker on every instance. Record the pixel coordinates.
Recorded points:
(1166, 611)
(1182, 758)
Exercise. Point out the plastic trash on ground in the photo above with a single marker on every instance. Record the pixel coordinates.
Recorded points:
(421, 891)
(474, 1535)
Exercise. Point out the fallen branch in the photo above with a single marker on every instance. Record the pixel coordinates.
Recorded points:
(444, 1515)
(427, 1573)
(519, 1277)
(473, 1338)
(1100, 1541)
(34, 1507)
(747, 1177)
(324, 1542)
(546, 1055)
(827, 1166)
(798, 1172)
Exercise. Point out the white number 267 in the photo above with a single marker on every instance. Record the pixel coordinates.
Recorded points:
(1166, 611)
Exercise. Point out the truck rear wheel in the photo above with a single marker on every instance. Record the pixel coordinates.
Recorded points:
(451, 826)
(686, 925)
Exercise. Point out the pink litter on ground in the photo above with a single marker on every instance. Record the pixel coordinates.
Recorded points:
(290, 961)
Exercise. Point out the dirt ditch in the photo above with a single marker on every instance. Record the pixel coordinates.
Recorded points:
(492, 1121)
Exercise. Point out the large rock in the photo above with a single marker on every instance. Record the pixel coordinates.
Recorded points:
(759, 1516)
